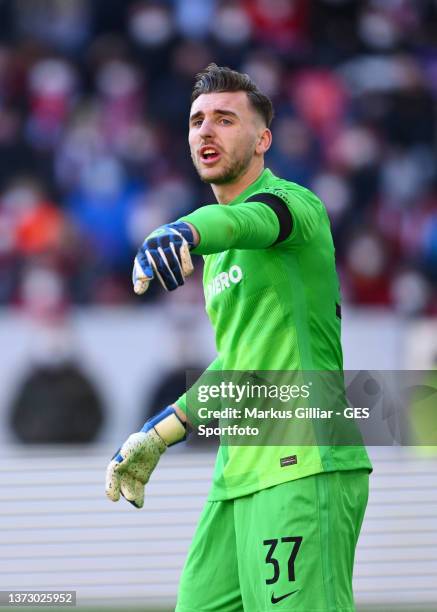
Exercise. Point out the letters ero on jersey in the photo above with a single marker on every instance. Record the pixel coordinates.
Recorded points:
(223, 281)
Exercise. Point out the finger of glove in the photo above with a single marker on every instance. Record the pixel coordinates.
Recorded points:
(133, 503)
(176, 255)
(174, 262)
(155, 270)
(142, 274)
(167, 268)
(132, 489)
(113, 481)
(143, 270)
(131, 451)
(185, 257)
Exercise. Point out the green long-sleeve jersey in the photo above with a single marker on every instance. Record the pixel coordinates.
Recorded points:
(274, 305)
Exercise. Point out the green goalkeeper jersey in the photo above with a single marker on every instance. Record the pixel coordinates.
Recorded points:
(273, 301)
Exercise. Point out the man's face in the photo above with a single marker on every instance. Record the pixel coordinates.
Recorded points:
(224, 130)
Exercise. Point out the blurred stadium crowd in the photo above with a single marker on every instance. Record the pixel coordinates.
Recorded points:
(94, 98)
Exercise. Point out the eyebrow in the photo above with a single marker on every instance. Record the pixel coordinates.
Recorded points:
(216, 111)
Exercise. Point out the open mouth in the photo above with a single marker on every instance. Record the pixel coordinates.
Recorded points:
(209, 154)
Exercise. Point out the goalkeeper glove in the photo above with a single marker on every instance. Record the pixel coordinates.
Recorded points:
(165, 253)
(131, 466)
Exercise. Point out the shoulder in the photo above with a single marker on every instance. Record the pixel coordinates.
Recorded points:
(296, 197)
(300, 212)
(289, 191)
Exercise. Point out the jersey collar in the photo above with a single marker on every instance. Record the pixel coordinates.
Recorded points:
(265, 175)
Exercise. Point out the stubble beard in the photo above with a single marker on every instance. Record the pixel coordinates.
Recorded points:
(231, 171)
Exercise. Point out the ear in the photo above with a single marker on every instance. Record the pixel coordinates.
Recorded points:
(263, 142)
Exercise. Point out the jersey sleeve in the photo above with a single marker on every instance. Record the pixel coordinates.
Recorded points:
(281, 216)
(249, 225)
(307, 213)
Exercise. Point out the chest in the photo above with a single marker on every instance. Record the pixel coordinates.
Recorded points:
(235, 277)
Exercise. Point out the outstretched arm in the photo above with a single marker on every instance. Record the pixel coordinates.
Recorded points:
(264, 220)
(250, 225)
(165, 253)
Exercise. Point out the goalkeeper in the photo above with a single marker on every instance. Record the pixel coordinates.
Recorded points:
(280, 526)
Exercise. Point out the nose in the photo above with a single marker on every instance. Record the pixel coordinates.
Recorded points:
(206, 129)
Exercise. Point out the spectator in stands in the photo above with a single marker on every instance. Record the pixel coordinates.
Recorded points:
(85, 105)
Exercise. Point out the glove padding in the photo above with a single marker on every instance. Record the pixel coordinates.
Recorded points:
(165, 254)
(131, 467)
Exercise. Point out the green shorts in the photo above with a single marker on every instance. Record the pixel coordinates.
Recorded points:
(289, 547)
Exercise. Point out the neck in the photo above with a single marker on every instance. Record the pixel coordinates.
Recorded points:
(229, 191)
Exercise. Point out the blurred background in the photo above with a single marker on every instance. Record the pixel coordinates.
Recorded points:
(94, 100)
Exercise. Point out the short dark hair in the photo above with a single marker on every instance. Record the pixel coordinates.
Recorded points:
(220, 78)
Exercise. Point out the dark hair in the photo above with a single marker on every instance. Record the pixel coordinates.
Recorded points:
(220, 78)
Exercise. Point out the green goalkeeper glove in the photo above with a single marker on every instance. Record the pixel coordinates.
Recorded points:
(132, 465)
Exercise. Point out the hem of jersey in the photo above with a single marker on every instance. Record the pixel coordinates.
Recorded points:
(312, 470)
